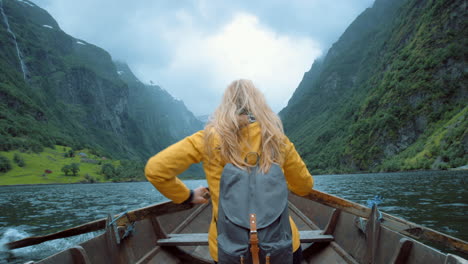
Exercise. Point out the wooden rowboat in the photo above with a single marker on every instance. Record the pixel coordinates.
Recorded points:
(333, 230)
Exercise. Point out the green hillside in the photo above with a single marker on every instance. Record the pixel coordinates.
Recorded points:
(33, 171)
(161, 118)
(389, 95)
(47, 167)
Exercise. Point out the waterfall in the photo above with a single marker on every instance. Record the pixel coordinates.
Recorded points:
(18, 52)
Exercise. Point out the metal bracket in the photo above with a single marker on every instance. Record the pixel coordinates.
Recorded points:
(373, 233)
(362, 223)
(120, 232)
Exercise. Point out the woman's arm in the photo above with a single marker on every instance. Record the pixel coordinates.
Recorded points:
(297, 175)
(163, 168)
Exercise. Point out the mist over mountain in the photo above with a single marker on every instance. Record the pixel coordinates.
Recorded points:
(56, 89)
(162, 118)
(204, 118)
(390, 94)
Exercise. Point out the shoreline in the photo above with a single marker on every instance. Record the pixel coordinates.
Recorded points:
(384, 172)
(463, 168)
(58, 183)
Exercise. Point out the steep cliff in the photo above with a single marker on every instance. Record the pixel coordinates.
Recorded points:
(56, 89)
(390, 94)
(162, 118)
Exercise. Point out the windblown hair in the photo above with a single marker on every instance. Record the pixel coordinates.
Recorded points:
(242, 97)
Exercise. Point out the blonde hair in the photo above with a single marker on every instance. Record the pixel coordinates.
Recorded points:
(241, 97)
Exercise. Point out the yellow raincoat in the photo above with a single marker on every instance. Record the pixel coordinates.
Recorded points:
(163, 168)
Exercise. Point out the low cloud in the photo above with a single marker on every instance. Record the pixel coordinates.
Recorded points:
(243, 48)
(194, 49)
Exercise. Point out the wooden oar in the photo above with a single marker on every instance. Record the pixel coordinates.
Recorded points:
(394, 223)
(131, 216)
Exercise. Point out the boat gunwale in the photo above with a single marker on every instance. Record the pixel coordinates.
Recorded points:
(392, 223)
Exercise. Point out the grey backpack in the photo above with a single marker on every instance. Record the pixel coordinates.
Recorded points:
(253, 218)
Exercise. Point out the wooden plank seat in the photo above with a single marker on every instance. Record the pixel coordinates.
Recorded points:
(201, 239)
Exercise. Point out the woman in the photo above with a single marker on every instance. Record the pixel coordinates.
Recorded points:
(242, 123)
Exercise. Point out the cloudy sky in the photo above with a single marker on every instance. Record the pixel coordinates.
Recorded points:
(194, 49)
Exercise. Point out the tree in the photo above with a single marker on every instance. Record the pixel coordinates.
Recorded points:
(108, 170)
(5, 164)
(75, 168)
(130, 170)
(66, 169)
(89, 179)
(19, 160)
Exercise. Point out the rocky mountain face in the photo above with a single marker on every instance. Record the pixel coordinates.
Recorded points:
(390, 94)
(161, 117)
(56, 89)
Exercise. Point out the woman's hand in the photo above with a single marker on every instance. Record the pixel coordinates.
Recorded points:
(200, 195)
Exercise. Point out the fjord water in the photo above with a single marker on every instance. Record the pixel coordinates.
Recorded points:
(437, 199)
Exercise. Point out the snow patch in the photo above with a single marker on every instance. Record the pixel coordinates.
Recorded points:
(120, 72)
(79, 42)
(26, 2)
(47, 26)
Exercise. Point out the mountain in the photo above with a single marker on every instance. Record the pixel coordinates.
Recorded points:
(204, 118)
(163, 118)
(59, 90)
(389, 95)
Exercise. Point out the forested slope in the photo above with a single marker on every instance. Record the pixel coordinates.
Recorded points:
(390, 94)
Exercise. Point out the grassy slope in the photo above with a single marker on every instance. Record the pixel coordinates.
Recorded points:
(49, 159)
(53, 159)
